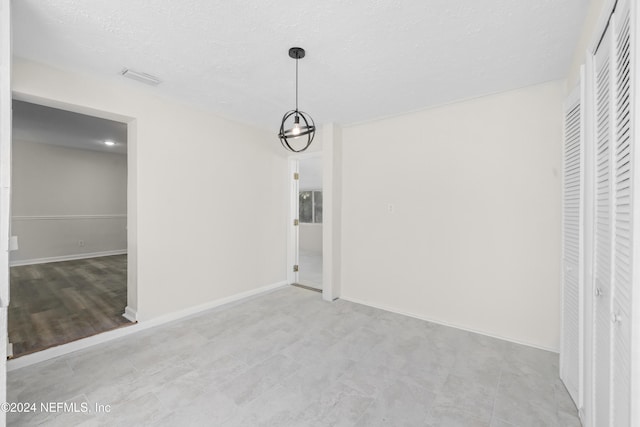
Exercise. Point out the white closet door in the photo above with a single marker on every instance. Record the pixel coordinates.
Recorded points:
(623, 242)
(603, 230)
(572, 208)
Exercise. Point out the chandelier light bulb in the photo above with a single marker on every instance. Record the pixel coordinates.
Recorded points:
(295, 131)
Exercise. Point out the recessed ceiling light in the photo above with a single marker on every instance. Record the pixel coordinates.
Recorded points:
(109, 143)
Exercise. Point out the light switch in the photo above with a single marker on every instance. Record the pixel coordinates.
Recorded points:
(13, 243)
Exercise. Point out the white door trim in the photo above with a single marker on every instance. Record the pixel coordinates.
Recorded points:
(132, 186)
(583, 238)
(292, 230)
(5, 149)
(5, 188)
(588, 393)
(293, 233)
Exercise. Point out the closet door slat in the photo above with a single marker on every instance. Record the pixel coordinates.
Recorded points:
(603, 218)
(573, 189)
(623, 224)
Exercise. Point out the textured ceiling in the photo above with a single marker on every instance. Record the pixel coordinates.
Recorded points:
(45, 125)
(365, 59)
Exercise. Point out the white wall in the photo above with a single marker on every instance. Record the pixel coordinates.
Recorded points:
(332, 211)
(67, 202)
(474, 236)
(199, 179)
(594, 13)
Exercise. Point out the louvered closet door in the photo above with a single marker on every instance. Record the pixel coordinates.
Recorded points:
(603, 230)
(571, 244)
(623, 203)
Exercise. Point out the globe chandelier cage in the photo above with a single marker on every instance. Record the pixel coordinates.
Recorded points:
(297, 128)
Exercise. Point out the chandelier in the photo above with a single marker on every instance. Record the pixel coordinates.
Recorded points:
(297, 127)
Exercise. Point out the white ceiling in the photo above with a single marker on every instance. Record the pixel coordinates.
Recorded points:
(365, 59)
(45, 125)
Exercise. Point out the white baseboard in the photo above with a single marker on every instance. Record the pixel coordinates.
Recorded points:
(187, 312)
(451, 325)
(130, 314)
(66, 257)
(53, 352)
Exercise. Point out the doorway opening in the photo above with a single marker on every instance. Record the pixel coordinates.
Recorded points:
(310, 229)
(68, 260)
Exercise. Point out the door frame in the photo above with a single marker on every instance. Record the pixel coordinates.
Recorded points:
(131, 309)
(293, 230)
(5, 188)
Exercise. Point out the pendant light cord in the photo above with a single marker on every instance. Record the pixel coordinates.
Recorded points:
(296, 82)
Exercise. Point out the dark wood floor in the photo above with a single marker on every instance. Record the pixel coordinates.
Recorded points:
(60, 302)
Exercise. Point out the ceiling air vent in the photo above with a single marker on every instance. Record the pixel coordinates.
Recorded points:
(141, 77)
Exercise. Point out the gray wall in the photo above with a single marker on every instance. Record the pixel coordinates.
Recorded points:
(67, 202)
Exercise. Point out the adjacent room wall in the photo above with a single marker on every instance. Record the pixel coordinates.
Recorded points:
(453, 214)
(67, 203)
(310, 169)
(212, 194)
(310, 237)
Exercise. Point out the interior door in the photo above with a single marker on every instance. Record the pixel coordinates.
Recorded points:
(621, 307)
(572, 232)
(603, 91)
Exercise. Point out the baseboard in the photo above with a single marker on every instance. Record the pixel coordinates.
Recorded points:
(191, 311)
(53, 352)
(66, 257)
(64, 217)
(130, 314)
(451, 325)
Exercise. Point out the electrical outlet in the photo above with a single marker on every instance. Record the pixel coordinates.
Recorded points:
(13, 243)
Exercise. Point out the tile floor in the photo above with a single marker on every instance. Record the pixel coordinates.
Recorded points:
(288, 358)
(310, 264)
